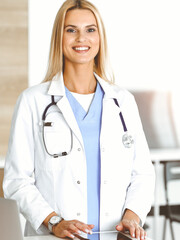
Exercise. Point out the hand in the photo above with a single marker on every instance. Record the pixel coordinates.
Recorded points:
(69, 228)
(133, 227)
(130, 222)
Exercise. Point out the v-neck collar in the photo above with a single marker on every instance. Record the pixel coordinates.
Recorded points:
(78, 110)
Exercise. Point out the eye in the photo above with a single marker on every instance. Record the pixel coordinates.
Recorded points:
(91, 30)
(70, 30)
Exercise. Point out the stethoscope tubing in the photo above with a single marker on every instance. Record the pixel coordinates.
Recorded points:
(126, 138)
(56, 155)
(121, 116)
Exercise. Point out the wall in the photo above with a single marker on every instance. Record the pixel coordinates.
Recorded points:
(13, 62)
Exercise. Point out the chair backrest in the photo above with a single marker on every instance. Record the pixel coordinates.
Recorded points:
(156, 112)
(172, 171)
(171, 174)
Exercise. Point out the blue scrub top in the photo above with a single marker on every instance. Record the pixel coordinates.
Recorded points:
(90, 127)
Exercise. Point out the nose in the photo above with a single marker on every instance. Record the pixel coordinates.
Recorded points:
(81, 36)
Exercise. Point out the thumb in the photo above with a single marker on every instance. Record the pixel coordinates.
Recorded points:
(119, 227)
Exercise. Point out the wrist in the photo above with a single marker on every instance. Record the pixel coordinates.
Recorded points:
(53, 222)
(46, 220)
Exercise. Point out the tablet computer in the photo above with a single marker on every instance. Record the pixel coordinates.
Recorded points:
(114, 235)
(106, 235)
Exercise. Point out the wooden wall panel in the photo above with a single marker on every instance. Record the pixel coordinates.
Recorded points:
(13, 61)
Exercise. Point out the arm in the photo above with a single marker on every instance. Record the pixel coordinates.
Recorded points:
(141, 188)
(19, 183)
(68, 228)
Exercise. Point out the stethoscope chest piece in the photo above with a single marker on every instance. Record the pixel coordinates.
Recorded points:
(127, 140)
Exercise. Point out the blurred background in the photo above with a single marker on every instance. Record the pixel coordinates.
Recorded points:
(144, 48)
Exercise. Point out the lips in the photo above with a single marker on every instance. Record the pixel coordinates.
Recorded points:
(81, 48)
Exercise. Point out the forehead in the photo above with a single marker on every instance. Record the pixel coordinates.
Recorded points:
(80, 16)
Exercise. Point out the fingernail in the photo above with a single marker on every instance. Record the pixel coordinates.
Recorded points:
(72, 236)
(133, 235)
(79, 232)
(142, 237)
(90, 231)
(117, 226)
(87, 231)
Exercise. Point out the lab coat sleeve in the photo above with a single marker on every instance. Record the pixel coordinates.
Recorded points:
(140, 193)
(19, 183)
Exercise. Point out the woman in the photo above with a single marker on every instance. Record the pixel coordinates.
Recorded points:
(67, 165)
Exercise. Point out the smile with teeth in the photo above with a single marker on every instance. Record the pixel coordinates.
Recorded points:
(81, 48)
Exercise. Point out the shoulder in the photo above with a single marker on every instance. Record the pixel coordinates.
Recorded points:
(34, 92)
(121, 91)
(38, 89)
(113, 90)
(33, 96)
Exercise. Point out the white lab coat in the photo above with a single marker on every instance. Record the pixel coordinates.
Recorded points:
(42, 184)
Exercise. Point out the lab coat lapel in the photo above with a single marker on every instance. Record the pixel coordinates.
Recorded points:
(110, 116)
(109, 95)
(110, 113)
(57, 88)
(65, 108)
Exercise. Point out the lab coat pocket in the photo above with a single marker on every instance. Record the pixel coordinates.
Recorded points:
(57, 135)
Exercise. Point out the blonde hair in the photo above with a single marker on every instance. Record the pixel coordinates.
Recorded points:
(56, 62)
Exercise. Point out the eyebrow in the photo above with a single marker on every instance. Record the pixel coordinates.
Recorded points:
(74, 26)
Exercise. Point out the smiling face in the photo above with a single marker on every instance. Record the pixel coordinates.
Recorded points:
(80, 37)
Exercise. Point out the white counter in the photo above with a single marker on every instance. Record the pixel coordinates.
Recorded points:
(48, 237)
(51, 237)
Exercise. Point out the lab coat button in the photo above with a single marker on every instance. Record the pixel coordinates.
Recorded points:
(78, 214)
(79, 149)
(78, 182)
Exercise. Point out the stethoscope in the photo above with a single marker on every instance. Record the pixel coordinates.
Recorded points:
(50, 124)
(127, 139)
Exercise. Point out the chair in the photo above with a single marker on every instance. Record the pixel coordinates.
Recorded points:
(171, 174)
(155, 108)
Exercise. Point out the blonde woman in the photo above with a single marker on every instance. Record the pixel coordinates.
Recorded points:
(71, 164)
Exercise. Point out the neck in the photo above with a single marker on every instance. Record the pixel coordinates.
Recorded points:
(80, 79)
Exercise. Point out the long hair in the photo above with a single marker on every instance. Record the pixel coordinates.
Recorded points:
(56, 60)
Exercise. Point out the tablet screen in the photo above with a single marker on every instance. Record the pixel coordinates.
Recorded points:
(105, 236)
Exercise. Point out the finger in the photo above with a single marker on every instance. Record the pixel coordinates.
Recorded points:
(66, 233)
(145, 234)
(119, 227)
(91, 226)
(129, 226)
(83, 227)
(142, 233)
(137, 233)
(74, 229)
(132, 231)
